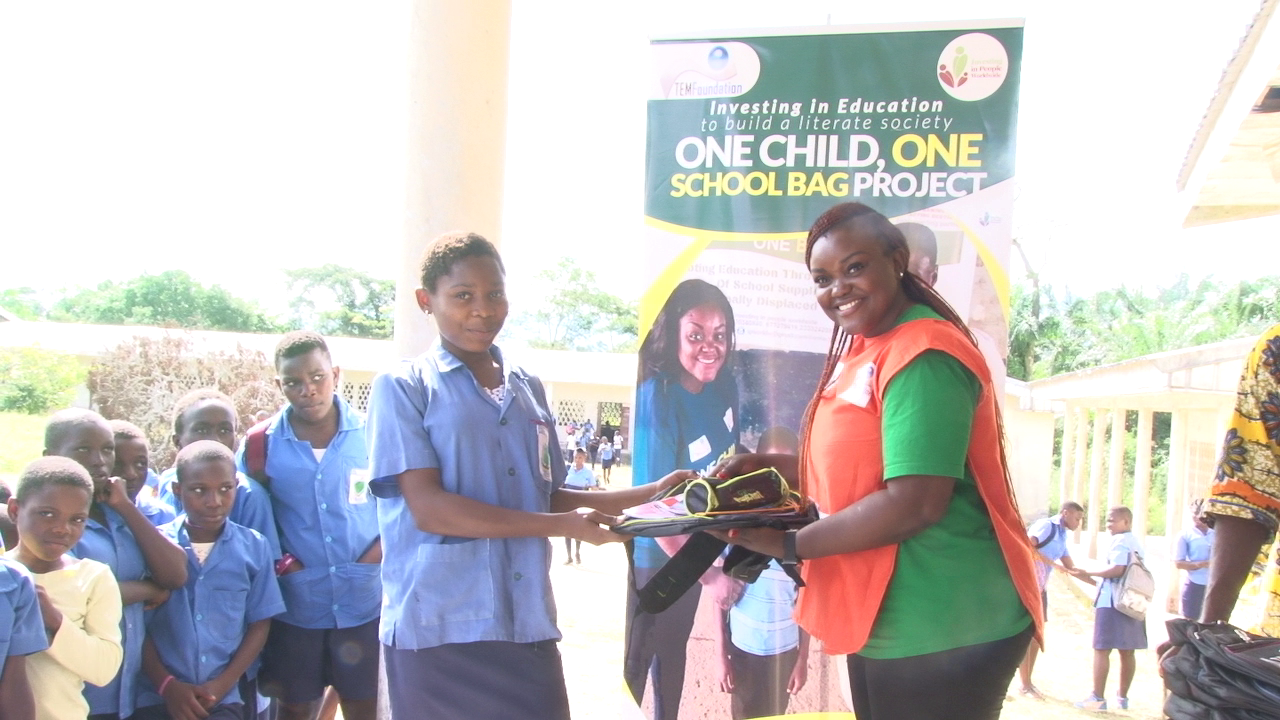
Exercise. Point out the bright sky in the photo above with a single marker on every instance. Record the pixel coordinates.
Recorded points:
(235, 139)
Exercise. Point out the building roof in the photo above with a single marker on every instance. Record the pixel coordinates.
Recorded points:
(353, 354)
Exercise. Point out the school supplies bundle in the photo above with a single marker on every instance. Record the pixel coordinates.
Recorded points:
(757, 499)
(1136, 588)
(1219, 672)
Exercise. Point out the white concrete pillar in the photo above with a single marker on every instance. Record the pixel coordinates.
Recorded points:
(457, 138)
(1065, 465)
(1097, 513)
(1175, 505)
(1082, 445)
(1115, 464)
(1142, 474)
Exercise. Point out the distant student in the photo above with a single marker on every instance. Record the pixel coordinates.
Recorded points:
(21, 634)
(1112, 629)
(8, 531)
(580, 477)
(606, 458)
(133, 465)
(145, 564)
(203, 640)
(317, 472)
(79, 599)
(1195, 545)
(208, 414)
(1049, 536)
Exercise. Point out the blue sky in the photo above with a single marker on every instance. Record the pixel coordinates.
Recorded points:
(237, 139)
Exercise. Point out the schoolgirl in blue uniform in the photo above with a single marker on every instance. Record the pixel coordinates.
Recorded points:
(21, 634)
(469, 477)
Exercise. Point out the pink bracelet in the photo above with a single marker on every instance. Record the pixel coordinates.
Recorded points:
(164, 685)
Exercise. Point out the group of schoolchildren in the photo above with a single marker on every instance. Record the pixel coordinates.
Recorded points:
(1112, 629)
(200, 596)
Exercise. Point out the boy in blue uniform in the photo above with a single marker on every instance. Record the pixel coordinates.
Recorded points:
(207, 414)
(133, 465)
(21, 634)
(318, 480)
(212, 629)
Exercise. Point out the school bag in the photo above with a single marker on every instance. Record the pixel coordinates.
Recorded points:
(757, 499)
(255, 453)
(1219, 672)
(1133, 592)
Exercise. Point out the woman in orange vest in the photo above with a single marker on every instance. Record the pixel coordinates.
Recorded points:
(920, 569)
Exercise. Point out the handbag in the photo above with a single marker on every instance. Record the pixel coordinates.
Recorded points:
(1132, 594)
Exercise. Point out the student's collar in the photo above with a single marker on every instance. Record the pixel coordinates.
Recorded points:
(346, 419)
(184, 538)
(446, 361)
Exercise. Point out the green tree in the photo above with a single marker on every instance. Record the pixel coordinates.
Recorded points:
(337, 300)
(576, 314)
(170, 299)
(23, 302)
(35, 381)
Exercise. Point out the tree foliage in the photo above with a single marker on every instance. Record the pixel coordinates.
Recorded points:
(337, 300)
(141, 379)
(1048, 335)
(576, 314)
(36, 381)
(24, 302)
(170, 299)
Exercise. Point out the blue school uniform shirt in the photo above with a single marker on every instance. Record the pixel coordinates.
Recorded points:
(327, 519)
(114, 545)
(1050, 530)
(1117, 554)
(431, 412)
(21, 626)
(198, 630)
(1195, 546)
(680, 430)
(580, 479)
(252, 508)
(156, 512)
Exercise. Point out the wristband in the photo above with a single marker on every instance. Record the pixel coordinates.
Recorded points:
(284, 563)
(164, 685)
(789, 548)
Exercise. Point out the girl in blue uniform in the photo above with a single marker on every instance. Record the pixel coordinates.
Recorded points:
(469, 475)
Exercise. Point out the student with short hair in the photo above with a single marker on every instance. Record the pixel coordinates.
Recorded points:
(1195, 545)
(470, 484)
(317, 467)
(209, 414)
(133, 465)
(8, 531)
(1112, 629)
(204, 639)
(1049, 536)
(21, 634)
(579, 477)
(145, 564)
(80, 602)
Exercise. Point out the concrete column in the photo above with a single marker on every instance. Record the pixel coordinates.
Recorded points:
(1097, 513)
(1174, 505)
(1115, 465)
(457, 138)
(1064, 477)
(1078, 467)
(1142, 474)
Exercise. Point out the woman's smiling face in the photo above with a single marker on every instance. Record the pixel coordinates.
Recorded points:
(704, 345)
(857, 284)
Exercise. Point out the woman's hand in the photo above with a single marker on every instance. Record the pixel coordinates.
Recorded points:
(787, 465)
(673, 479)
(765, 541)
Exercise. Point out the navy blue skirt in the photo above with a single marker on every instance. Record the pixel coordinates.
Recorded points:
(485, 680)
(1113, 630)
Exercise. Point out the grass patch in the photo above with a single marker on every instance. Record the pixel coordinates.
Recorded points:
(21, 441)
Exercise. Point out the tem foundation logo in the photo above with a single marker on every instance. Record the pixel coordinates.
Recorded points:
(972, 66)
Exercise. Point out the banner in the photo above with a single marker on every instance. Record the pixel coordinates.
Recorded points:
(750, 139)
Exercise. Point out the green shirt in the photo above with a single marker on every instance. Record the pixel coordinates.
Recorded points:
(950, 587)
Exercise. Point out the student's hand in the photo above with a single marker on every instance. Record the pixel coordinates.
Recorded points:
(214, 691)
(799, 675)
(114, 494)
(726, 674)
(51, 615)
(787, 465)
(586, 525)
(157, 597)
(185, 701)
(674, 478)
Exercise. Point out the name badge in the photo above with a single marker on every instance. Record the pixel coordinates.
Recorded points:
(358, 486)
(544, 451)
(859, 392)
(699, 449)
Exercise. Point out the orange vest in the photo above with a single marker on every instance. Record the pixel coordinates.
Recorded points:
(845, 464)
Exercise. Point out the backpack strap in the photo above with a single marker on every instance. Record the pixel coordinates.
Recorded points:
(1055, 531)
(255, 453)
(679, 573)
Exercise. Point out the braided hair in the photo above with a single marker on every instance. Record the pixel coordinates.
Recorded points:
(917, 291)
